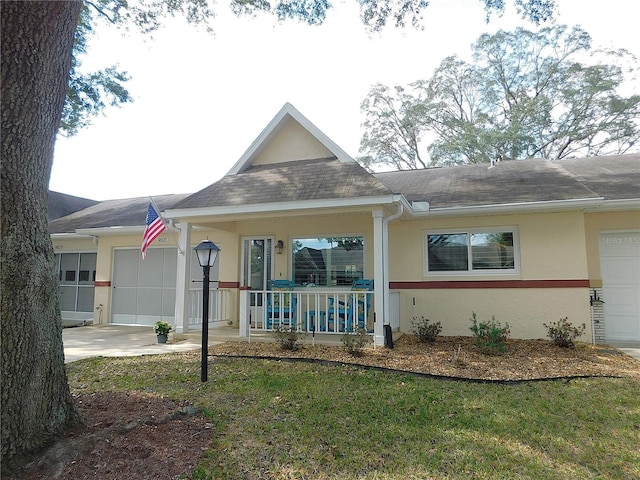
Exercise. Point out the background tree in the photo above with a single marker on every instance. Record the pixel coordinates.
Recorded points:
(38, 39)
(89, 94)
(526, 94)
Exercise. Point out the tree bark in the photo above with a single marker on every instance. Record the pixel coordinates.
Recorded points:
(37, 44)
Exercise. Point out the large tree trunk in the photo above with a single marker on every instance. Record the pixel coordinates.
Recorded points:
(37, 44)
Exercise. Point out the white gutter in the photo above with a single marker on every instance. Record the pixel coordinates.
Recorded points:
(520, 207)
(69, 236)
(624, 204)
(111, 231)
(280, 206)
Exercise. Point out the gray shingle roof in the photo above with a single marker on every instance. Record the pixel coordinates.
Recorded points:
(517, 181)
(127, 212)
(61, 204)
(614, 177)
(291, 181)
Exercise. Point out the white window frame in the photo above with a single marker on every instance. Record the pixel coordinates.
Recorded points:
(470, 272)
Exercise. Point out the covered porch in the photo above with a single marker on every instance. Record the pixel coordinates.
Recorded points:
(242, 294)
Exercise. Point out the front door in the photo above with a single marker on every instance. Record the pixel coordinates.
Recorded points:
(257, 265)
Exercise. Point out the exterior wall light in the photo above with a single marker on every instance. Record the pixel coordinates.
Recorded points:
(279, 247)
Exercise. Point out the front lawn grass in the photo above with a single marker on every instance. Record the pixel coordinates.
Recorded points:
(284, 420)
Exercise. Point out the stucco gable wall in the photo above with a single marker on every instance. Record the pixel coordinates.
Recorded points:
(292, 142)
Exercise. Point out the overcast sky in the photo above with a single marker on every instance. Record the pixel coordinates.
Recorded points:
(201, 99)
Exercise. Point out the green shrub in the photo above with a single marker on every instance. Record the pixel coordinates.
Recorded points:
(354, 342)
(490, 336)
(564, 333)
(288, 337)
(426, 331)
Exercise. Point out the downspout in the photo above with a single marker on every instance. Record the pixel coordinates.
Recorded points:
(385, 260)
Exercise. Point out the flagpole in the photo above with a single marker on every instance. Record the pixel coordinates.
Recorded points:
(167, 224)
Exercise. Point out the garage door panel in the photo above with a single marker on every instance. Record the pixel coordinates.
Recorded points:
(620, 266)
(622, 300)
(151, 268)
(144, 290)
(621, 270)
(124, 300)
(123, 273)
(625, 327)
(168, 302)
(150, 302)
(619, 244)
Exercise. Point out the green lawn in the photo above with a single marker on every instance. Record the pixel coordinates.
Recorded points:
(288, 420)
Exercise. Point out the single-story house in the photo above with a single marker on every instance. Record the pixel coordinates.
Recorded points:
(527, 241)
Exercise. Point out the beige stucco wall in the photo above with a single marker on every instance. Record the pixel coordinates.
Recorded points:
(595, 223)
(293, 142)
(552, 247)
(524, 309)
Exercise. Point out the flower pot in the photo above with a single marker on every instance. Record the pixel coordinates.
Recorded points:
(162, 337)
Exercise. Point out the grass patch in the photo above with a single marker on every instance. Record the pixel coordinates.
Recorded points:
(286, 420)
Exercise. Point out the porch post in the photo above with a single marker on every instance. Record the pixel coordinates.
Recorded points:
(379, 254)
(245, 327)
(183, 278)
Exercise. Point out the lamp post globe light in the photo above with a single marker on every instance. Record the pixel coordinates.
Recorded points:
(207, 252)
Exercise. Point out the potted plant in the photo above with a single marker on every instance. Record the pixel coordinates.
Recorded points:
(162, 330)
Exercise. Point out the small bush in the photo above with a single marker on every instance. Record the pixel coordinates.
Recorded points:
(426, 331)
(288, 338)
(564, 333)
(490, 336)
(356, 341)
(458, 357)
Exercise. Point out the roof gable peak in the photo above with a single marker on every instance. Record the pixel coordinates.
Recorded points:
(284, 117)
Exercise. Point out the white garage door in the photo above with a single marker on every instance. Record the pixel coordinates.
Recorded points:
(144, 291)
(620, 262)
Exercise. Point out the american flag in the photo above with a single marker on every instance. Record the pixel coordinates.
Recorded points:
(155, 227)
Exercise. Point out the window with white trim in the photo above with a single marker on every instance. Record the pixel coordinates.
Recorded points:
(486, 251)
(327, 262)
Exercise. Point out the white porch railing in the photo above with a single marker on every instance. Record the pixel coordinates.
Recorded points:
(314, 310)
(218, 306)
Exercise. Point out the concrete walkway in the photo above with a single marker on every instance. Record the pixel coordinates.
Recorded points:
(123, 341)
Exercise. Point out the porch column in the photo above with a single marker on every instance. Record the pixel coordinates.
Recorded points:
(183, 277)
(245, 326)
(379, 253)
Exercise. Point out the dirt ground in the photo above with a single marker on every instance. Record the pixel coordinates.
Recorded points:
(138, 436)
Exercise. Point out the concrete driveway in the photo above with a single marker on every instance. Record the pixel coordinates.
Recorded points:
(630, 348)
(122, 341)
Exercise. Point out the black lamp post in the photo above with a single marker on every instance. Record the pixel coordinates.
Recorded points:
(207, 252)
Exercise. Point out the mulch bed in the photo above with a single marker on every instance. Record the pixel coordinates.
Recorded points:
(459, 357)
